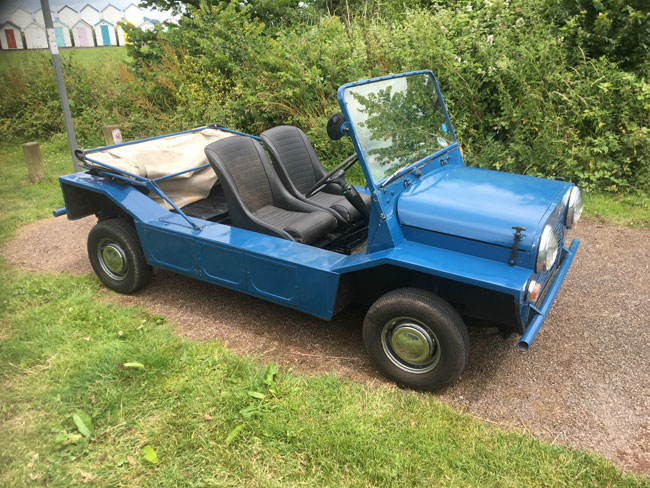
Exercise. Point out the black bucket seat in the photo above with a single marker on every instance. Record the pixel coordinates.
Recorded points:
(299, 168)
(256, 198)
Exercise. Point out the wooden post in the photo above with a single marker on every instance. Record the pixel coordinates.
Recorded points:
(34, 161)
(112, 134)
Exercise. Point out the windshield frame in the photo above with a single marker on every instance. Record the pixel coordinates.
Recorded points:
(350, 130)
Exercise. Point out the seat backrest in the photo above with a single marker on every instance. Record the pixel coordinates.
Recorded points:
(293, 157)
(240, 163)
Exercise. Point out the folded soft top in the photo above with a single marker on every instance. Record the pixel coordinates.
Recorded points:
(168, 155)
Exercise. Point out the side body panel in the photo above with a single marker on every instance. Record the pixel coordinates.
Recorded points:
(277, 270)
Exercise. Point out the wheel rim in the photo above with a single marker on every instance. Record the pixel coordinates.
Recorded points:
(112, 259)
(410, 345)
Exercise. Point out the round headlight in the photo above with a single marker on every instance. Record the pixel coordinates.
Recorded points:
(547, 251)
(574, 208)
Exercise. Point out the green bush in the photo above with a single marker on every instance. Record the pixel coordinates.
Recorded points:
(99, 94)
(519, 97)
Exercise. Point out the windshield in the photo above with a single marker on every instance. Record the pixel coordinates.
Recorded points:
(398, 121)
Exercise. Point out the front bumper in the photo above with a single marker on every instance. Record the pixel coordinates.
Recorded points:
(540, 311)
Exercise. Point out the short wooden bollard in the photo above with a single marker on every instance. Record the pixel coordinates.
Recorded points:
(112, 134)
(34, 161)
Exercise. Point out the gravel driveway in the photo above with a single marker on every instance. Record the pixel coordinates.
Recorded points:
(585, 382)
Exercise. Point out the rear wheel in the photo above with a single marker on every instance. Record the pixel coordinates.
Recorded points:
(116, 255)
(416, 338)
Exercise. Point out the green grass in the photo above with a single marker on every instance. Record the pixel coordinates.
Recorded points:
(64, 351)
(85, 56)
(20, 200)
(622, 210)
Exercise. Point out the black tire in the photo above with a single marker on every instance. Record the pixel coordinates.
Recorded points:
(116, 255)
(416, 339)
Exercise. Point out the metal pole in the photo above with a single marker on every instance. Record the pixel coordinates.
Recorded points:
(60, 82)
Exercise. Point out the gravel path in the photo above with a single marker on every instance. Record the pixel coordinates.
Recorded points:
(585, 382)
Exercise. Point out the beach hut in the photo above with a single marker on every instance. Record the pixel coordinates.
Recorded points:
(148, 24)
(68, 15)
(121, 38)
(10, 37)
(112, 14)
(89, 14)
(21, 18)
(105, 33)
(35, 37)
(62, 33)
(38, 17)
(133, 14)
(82, 34)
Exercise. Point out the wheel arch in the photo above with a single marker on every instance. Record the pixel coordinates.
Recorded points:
(82, 202)
(477, 305)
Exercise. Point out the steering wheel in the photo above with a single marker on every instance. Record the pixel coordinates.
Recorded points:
(332, 176)
(349, 192)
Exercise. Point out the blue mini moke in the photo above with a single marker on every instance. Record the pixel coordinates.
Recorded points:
(428, 244)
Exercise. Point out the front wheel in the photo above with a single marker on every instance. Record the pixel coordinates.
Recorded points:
(416, 338)
(116, 255)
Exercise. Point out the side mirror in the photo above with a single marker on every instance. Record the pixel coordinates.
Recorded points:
(334, 124)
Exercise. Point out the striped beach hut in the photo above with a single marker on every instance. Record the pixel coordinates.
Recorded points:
(10, 37)
(62, 33)
(35, 37)
(82, 34)
(105, 33)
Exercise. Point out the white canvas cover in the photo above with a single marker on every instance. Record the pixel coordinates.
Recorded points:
(165, 156)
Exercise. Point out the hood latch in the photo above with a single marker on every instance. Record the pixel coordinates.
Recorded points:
(518, 235)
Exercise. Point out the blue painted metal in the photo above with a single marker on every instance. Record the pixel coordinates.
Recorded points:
(59, 211)
(385, 230)
(480, 204)
(541, 311)
(438, 218)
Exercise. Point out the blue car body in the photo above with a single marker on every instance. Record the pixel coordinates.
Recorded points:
(438, 223)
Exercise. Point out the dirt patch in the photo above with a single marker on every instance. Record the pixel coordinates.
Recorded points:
(585, 382)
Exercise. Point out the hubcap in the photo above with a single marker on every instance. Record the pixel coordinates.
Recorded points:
(410, 345)
(112, 259)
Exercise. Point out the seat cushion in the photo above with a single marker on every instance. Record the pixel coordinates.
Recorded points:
(305, 227)
(340, 204)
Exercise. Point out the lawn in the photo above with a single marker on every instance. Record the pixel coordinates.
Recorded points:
(85, 56)
(97, 393)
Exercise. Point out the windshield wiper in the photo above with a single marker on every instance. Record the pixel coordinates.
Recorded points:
(414, 167)
(400, 172)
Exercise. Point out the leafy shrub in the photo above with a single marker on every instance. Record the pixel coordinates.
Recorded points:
(519, 98)
(617, 29)
(98, 94)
